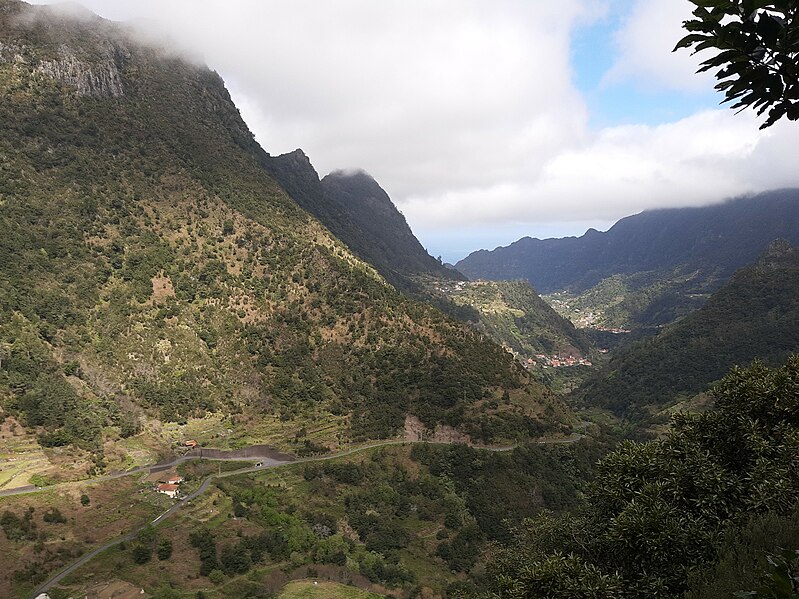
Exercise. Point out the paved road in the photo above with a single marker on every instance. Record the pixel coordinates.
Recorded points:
(66, 571)
(265, 464)
(148, 469)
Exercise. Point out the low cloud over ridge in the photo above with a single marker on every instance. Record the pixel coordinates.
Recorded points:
(467, 112)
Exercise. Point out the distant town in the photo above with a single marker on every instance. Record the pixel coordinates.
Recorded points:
(555, 361)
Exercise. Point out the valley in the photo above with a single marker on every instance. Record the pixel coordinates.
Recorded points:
(227, 375)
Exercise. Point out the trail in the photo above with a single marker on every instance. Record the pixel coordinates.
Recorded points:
(265, 463)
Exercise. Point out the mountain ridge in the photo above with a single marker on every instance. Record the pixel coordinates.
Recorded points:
(353, 206)
(152, 271)
(647, 241)
(754, 316)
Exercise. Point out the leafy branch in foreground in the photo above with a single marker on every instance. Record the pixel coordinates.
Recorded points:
(758, 52)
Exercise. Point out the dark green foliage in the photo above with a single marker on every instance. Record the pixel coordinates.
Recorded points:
(164, 549)
(461, 553)
(235, 559)
(205, 543)
(754, 316)
(377, 569)
(54, 516)
(742, 556)
(500, 489)
(781, 578)
(657, 511)
(16, 528)
(143, 544)
(84, 500)
(141, 553)
(757, 50)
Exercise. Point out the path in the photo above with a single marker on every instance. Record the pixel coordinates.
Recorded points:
(265, 464)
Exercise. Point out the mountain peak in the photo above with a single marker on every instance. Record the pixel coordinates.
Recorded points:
(778, 248)
(351, 173)
(778, 255)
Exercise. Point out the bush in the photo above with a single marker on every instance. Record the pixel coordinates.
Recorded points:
(164, 550)
(216, 576)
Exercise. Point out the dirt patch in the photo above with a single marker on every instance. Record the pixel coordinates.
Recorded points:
(116, 589)
(415, 430)
(162, 288)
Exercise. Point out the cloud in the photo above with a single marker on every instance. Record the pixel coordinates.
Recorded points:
(465, 111)
(427, 96)
(644, 43)
(698, 160)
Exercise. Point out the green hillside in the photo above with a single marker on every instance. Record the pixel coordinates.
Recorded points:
(649, 269)
(515, 316)
(754, 316)
(152, 272)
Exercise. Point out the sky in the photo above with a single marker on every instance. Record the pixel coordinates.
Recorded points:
(484, 121)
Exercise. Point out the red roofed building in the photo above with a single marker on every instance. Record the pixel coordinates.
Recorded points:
(168, 489)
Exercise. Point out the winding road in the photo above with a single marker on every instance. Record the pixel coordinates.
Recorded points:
(264, 463)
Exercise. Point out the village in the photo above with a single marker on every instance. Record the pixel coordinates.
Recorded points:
(555, 361)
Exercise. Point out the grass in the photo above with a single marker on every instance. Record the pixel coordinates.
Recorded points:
(322, 589)
(115, 507)
(20, 456)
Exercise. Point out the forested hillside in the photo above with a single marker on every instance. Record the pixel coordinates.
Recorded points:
(514, 315)
(661, 264)
(710, 509)
(754, 316)
(359, 213)
(152, 271)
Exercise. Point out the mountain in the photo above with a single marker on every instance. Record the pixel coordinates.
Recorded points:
(754, 316)
(354, 207)
(660, 264)
(156, 281)
(516, 316)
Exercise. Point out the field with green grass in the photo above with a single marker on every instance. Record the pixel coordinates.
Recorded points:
(322, 589)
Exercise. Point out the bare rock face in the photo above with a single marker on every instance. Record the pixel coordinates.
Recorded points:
(99, 78)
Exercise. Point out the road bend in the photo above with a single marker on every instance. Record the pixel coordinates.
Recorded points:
(264, 464)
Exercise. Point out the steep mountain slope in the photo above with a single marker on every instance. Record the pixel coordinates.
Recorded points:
(715, 239)
(754, 316)
(151, 270)
(360, 213)
(513, 314)
(665, 261)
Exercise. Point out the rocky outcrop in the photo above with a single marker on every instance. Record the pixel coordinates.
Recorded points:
(99, 79)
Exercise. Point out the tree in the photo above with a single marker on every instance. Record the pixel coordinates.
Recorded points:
(164, 550)
(655, 511)
(757, 57)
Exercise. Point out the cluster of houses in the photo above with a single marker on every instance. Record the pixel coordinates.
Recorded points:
(451, 288)
(556, 361)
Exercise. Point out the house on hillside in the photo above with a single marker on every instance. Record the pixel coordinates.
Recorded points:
(170, 490)
(174, 480)
(191, 444)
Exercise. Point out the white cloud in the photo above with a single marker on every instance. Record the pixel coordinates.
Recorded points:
(623, 170)
(644, 43)
(465, 110)
(428, 96)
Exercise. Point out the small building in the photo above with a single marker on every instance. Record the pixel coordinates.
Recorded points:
(175, 480)
(171, 490)
(191, 443)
